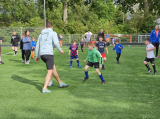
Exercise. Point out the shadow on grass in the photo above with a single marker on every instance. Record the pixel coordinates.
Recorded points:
(15, 60)
(27, 81)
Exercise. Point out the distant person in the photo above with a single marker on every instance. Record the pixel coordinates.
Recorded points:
(60, 39)
(21, 49)
(154, 39)
(118, 48)
(85, 39)
(107, 37)
(113, 40)
(88, 34)
(14, 42)
(92, 40)
(101, 33)
(45, 43)
(150, 56)
(0, 53)
(33, 47)
(81, 43)
(27, 45)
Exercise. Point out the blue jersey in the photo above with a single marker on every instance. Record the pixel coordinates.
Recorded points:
(101, 46)
(73, 49)
(117, 47)
(33, 44)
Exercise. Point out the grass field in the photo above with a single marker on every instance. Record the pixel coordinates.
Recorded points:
(129, 93)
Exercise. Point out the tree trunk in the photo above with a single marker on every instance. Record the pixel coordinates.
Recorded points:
(146, 7)
(65, 9)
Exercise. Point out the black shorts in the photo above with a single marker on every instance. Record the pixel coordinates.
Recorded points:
(14, 44)
(151, 60)
(49, 60)
(91, 64)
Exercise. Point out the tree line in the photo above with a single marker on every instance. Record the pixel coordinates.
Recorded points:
(79, 16)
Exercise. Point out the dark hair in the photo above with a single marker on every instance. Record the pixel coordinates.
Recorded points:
(25, 33)
(147, 39)
(73, 41)
(49, 24)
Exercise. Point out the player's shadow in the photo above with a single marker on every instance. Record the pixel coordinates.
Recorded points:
(27, 81)
(14, 60)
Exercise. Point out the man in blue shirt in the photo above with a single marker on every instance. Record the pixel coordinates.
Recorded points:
(154, 38)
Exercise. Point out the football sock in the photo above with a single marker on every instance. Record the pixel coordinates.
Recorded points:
(101, 77)
(77, 62)
(15, 52)
(102, 65)
(32, 55)
(71, 63)
(154, 67)
(86, 74)
(147, 66)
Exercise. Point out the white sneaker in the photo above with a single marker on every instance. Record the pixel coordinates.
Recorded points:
(14, 55)
(23, 61)
(26, 62)
(29, 61)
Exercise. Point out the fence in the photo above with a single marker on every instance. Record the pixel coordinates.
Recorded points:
(7, 32)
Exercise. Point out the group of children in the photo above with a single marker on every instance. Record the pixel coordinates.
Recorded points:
(95, 57)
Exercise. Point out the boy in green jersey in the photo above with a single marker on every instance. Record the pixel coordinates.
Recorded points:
(93, 60)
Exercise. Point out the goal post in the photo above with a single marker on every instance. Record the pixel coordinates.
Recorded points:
(141, 38)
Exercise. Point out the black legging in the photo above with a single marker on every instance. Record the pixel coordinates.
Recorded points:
(118, 56)
(27, 54)
(157, 47)
(23, 53)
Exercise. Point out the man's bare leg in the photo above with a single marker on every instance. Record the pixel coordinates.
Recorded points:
(47, 78)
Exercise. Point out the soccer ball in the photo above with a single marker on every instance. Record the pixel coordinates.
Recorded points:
(50, 83)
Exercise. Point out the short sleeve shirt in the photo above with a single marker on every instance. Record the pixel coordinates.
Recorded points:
(101, 46)
(73, 49)
(150, 54)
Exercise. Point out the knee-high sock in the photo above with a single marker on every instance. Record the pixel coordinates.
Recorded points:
(147, 66)
(77, 62)
(86, 74)
(101, 77)
(71, 63)
(154, 67)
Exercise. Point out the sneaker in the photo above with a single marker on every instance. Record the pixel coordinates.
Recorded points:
(62, 85)
(155, 73)
(117, 62)
(14, 54)
(23, 61)
(46, 91)
(149, 71)
(70, 66)
(27, 62)
(103, 82)
(85, 79)
(1, 62)
(103, 68)
(79, 66)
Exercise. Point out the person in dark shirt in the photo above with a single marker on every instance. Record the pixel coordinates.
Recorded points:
(23, 51)
(101, 34)
(81, 43)
(14, 42)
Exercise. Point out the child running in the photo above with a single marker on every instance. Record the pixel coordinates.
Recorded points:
(73, 50)
(33, 47)
(101, 45)
(82, 44)
(150, 56)
(93, 56)
(118, 48)
(14, 42)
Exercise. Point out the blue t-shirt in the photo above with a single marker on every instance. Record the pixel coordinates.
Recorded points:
(101, 46)
(33, 44)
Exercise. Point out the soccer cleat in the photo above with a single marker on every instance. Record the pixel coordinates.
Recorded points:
(155, 73)
(79, 66)
(103, 82)
(103, 68)
(62, 85)
(14, 54)
(46, 91)
(1, 62)
(85, 79)
(117, 62)
(70, 66)
(23, 61)
(149, 71)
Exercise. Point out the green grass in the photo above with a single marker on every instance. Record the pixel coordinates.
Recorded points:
(129, 93)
